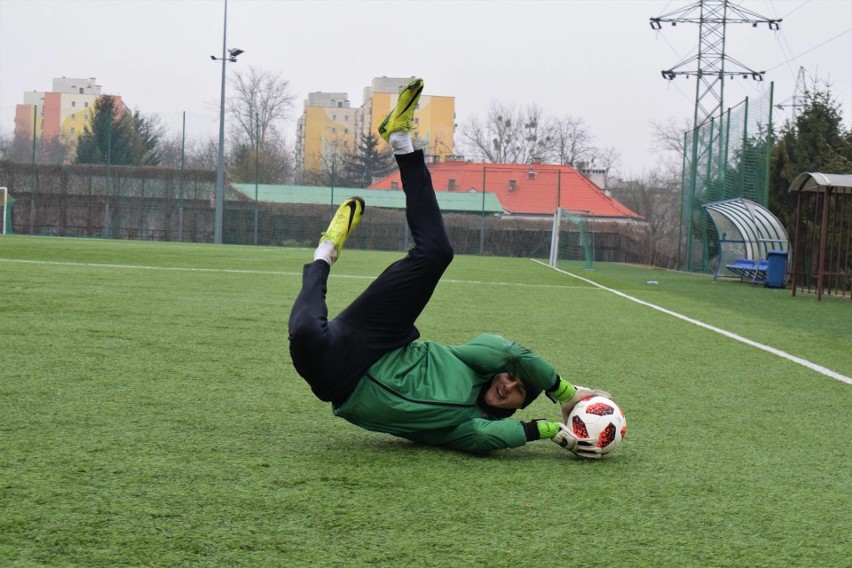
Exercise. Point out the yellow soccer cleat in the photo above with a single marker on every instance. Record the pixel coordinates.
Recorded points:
(345, 220)
(401, 118)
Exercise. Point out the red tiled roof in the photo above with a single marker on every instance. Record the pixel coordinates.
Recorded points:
(524, 189)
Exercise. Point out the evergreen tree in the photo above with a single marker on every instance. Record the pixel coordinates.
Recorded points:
(147, 140)
(367, 163)
(117, 137)
(814, 142)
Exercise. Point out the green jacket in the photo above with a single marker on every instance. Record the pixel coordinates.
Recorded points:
(427, 392)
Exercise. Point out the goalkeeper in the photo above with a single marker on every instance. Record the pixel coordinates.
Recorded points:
(368, 361)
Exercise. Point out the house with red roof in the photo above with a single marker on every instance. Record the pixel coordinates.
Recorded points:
(529, 190)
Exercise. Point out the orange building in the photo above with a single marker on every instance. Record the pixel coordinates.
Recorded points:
(525, 189)
(63, 112)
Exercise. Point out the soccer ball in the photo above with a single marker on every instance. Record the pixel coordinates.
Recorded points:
(600, 419)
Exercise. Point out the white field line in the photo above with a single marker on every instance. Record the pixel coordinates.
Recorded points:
(798, 360)
(267, 272)
(144, 267)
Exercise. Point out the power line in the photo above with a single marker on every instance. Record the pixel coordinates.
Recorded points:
(802, 5)
(843, 33)
(712, 16)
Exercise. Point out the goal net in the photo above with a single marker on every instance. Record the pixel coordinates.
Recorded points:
(571, 242)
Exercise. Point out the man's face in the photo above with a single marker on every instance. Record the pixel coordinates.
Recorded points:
(506, 391)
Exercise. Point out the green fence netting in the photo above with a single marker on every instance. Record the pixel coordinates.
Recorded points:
(724, 158)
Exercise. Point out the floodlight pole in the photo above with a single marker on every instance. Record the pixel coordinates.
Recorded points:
(220, 160)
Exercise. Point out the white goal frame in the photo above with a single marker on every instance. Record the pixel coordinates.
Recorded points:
(555, 232)
(554, 237)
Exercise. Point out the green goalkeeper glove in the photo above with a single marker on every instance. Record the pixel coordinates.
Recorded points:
(546, 429)
(569, 395)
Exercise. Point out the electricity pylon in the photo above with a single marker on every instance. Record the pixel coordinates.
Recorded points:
(711, 66)
(798, 96)
(712, 63)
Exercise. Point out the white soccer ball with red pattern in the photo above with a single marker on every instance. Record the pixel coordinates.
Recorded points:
(599, 419)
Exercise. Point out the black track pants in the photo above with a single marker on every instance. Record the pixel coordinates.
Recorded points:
(332, 356)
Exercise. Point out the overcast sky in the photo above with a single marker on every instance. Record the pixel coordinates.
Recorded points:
(598, 60)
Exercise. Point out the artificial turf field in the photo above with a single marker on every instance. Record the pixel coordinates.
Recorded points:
(149, 416)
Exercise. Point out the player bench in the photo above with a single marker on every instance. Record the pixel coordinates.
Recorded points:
(754, 270)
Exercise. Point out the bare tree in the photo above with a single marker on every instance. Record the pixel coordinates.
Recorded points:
(669, 136)
(508, 135)
(169, 149)
(20, 149)
(608, 159)
(56, 150)
(201, 153)
(570, 141)
(327, 167)
(17, 148)
(196, 153)
(270, 163)
(261, 102)
(657, 198)
(6, 140)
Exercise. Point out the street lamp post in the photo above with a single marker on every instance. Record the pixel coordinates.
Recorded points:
(227, 55)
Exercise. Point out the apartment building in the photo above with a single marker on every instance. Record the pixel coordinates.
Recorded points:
(326, 130)
(62, 112)
(329, 125)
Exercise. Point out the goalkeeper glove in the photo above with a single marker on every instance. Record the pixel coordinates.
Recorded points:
(563, 436)
(579, 394)
(583, 447)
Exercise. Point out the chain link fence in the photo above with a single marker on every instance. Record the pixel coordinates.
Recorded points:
(154, 203)
(724, 158)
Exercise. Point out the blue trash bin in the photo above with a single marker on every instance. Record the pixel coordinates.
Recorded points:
(776, 270)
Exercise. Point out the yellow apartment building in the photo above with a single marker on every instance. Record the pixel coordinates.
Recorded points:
(326, 130)
(329, 126)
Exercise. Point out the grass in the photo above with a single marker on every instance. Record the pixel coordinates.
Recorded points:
(149, 416)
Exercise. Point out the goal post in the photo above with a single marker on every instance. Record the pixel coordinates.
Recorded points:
(4, 196)
(554, 237)
(570, 239)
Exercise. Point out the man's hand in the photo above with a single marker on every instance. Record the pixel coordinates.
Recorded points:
(582, 392)
(585, 448)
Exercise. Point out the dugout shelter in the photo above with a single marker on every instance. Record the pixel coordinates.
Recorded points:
(748, 234)
(822, 249)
